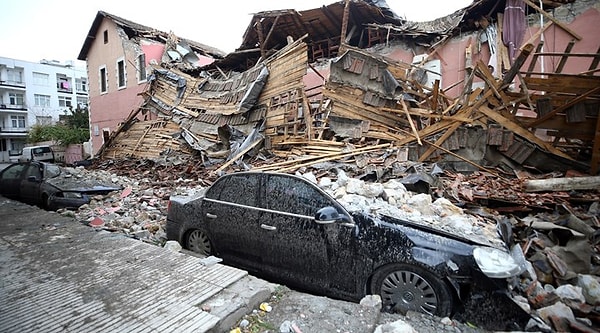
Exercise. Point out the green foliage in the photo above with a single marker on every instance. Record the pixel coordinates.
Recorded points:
(74, 128)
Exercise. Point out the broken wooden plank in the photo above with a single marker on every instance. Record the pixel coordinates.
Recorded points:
(516, 66)
(410, 121)
(238, 155)
(562, 184)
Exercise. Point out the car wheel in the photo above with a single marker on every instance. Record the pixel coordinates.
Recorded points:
(404, 287)
(197, 241)
(46, 203)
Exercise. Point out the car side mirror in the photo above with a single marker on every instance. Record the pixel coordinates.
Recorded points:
(327, 215)
(32, 179)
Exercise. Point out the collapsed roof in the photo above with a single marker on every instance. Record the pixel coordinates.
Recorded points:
(135, 30)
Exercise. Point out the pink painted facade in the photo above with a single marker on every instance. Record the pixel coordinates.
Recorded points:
(110, 108)
(124, 61)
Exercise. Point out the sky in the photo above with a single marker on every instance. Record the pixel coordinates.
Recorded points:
(33, 30)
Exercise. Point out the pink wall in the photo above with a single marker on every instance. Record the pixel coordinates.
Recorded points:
(452, 54)
(153, 52)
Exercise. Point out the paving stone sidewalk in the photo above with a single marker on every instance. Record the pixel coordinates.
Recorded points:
(57, 275)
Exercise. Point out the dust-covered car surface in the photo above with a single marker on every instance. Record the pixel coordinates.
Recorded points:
(49, 185)
(287, 229)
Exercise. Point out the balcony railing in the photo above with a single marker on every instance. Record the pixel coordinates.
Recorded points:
(12, 84)
(13, 129)
(13, 107)
(64, 87)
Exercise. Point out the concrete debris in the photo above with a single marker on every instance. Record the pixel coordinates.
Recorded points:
(398, 326)
(172, 246)
(590, 287)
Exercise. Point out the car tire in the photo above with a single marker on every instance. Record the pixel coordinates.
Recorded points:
(405, 287)
(197, 241)
(46, 204)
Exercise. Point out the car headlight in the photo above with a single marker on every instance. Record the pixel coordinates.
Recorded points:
(72, 195)
(497, 263)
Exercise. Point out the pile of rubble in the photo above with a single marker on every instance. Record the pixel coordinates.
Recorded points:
(561, 284)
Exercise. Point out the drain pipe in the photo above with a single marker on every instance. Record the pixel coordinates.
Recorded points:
(542, 37)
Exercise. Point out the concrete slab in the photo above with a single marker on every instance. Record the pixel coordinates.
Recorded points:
(59, 275)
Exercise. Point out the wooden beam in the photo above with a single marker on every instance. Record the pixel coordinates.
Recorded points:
(551, 18)
(238, 155)
(344, 26)
(564, 57)
(271, 30)
(510, 75)
(562, 184)
(534, 58)
(261, 39)
(594, 64)
(410, 121)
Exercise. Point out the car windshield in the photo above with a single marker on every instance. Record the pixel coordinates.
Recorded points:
(52, 170)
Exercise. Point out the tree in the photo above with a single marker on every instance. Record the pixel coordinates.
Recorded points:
(73, 127)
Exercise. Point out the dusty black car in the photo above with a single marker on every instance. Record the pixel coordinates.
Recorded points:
(289, 230)
(49, 185)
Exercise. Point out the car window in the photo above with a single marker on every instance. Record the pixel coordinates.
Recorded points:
(240, 189)
(41, 150)
(13, 171)
(294, 195)
(33, 170)
(52, 170)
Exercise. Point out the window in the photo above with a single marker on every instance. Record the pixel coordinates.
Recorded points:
(14, 171)
(42, 100)
(292, 195)
(81, 85)
(16, 99)
(63, 83)
(105, 34)
(17, 121)
(64, 101)
(141, 66)
(14, 75)
(103, 82)
(121, 73)
(82, 102)
(239, 189)
(43, 120)
(41, 79)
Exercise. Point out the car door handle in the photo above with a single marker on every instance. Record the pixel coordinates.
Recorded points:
(211, 216)
(268, 227)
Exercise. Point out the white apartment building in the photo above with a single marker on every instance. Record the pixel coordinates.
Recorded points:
(35, 93)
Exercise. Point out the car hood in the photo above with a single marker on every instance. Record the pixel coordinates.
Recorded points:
(482, 237)
(70, 183)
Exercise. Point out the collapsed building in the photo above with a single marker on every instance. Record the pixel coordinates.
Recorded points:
(310, 92)
(484, 94)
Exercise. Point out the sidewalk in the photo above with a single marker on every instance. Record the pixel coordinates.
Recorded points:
(60, 276)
